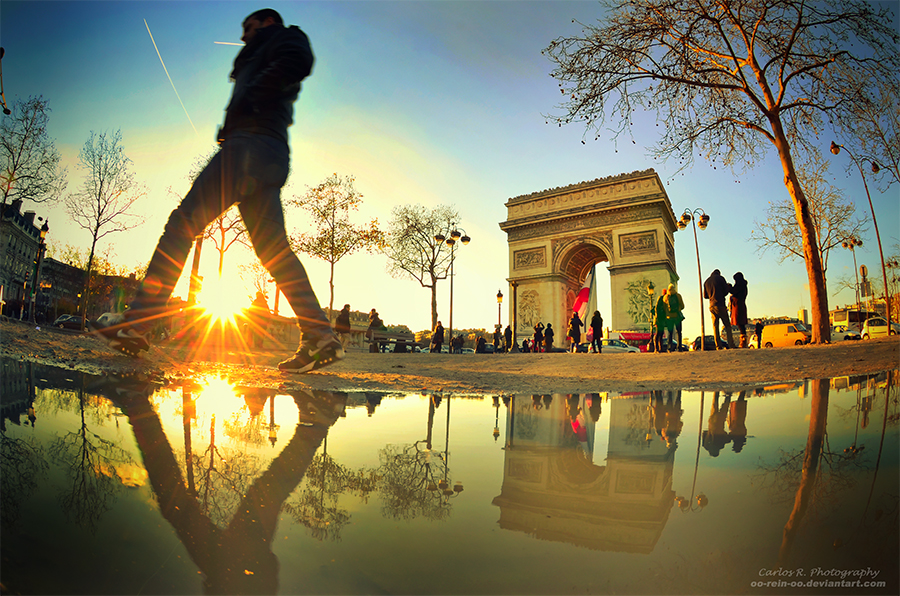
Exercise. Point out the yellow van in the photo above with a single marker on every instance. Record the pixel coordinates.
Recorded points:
(785, 334)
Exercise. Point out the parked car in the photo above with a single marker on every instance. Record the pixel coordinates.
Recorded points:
(610, 346)
(709, 343)
(841, 333)
(877, 327)
(69, 322)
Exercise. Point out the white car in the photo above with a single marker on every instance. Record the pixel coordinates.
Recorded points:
(841, 333)
(617, 346)
(877, 327)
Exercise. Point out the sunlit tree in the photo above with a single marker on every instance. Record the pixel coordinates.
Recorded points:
(729, 81)
(412, 250)
(104, 203)
(330, 203)
(834, 217)
(29, 161)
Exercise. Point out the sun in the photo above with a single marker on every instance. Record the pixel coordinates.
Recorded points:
(222, 299)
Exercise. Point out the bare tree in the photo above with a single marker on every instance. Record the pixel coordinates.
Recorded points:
(412, 250)
(729, 80)
(874, 129)
(834, 217)
(29, 161)
(335, 237)
(103, 205)
(226, 230)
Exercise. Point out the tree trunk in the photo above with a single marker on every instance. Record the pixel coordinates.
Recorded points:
(815, 441)
(434, 315)
(331, 290)
(818, 296)
(86, 292)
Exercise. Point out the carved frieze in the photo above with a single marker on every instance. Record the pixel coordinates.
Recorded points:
(586, 223)
(530, 258)
(638, 243)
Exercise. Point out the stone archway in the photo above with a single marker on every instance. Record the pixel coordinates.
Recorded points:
(555, 237)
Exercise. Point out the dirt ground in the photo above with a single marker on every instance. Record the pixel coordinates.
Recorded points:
(466, 373)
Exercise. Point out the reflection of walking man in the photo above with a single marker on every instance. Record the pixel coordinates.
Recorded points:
(715, 288)
(248, 171)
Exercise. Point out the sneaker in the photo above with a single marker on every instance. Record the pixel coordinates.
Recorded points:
(313, 353)
(119, 333)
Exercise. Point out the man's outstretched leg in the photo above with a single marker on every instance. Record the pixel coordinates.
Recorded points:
(264, 217)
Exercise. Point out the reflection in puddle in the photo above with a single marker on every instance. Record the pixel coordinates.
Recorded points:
(205, 487)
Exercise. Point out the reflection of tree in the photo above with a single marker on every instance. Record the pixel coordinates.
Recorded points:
(408, 485)
(414, 479)
(90, 462)
(221, 481)
(316, 506)
(22, 463)
(822, 473)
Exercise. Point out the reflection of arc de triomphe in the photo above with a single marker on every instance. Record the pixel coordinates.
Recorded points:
(555, 237)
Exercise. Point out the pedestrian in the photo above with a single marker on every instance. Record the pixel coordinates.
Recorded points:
(597, 331)
(507, 335)
(661, 323)
(250, 168)
(573, 332)
(675, 304)
(375, 324)
(480, 343)
(715, 288)
(759, 331)
(342, 326)
(258, 319)
(538, 338)
(739, 306)
(437, 339)
(548, 338)
(498, 340)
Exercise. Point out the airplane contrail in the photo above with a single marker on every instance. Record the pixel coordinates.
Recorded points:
(170, 78)
(228, 43)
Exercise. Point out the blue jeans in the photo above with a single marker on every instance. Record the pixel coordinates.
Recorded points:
(249, 170)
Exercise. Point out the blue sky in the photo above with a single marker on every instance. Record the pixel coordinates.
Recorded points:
(423, 102)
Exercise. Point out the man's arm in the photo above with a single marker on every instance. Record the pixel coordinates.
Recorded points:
(291, 61)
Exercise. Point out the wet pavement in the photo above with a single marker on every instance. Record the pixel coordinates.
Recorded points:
(116, 485)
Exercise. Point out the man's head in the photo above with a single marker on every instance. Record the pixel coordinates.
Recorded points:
(259, 20)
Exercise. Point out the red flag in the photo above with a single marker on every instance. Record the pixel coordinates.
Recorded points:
(584, 296)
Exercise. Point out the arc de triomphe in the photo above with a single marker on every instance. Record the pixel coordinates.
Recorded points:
(555, 237)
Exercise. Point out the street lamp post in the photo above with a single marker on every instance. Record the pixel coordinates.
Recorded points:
(851, 243)
(835, 149)
(451, 242)
(499, 302)
(691, 216)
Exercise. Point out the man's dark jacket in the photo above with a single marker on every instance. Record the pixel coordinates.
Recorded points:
(267, 75)
(716, 288)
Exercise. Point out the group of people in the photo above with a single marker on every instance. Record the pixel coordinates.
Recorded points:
(573, 332)
(715, 289)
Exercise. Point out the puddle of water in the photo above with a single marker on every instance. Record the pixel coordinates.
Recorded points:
(116, 486)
